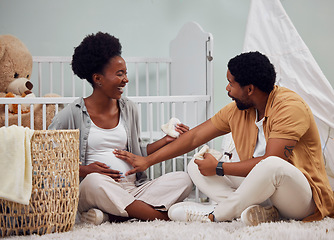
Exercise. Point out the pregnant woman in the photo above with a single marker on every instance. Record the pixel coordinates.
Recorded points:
(108, 121)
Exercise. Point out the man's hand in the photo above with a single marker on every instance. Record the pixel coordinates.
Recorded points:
(208, 165)
(98, 167)
(139, 163)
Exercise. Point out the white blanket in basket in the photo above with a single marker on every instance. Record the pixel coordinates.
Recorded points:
(15, 164)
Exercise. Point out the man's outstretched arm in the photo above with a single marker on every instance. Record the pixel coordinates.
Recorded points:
(185, 143)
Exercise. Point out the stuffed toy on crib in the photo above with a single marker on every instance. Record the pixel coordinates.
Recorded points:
(15, 72)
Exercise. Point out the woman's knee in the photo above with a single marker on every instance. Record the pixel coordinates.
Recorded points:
(90, 179)
(185, 183)
(91, 183)
(183, 179)
(179, 181)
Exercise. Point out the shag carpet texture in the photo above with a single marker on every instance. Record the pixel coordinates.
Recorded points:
(158, 230)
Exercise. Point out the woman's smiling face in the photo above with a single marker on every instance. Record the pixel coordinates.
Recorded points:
(114, 78)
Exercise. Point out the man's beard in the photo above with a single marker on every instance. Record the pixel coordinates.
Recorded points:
(241, 105)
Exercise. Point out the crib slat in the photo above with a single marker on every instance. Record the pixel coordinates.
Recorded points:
(32, 117)
(168, 79)
(173, 115)
(137, 80)
(157, 79)
(40, 85)
(44, 116)
(162, 111)
(150, 128)
(6, 115)
(62, 79)
(19, 115)
(51, 76)
(147, 80)
(185, 156)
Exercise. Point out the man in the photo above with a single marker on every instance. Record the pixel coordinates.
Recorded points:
(277, 141)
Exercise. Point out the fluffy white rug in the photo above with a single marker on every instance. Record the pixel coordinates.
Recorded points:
(158, 230)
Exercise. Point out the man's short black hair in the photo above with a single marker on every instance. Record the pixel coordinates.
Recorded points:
(93, 54)
(253, 68)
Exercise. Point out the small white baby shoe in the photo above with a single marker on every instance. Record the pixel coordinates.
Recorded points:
(205, 149)
(169, 128)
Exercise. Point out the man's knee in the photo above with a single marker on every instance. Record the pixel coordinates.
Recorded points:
(192, 168)
(274, 164)
(276, 169)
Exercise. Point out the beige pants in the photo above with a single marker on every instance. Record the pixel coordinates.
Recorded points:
(272, 180)
(102, 192)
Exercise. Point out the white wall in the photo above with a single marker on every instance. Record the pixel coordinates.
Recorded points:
(145, 27)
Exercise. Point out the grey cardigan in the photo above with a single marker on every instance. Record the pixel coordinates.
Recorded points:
(75, 116)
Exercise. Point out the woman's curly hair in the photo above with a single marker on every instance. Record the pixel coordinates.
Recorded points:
(253, 68)
(93, 54)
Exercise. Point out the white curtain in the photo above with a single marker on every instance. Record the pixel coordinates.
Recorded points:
(271, 32)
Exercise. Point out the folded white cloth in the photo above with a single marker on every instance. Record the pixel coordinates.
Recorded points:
(169, 128)
(15, 164)
(205, 149)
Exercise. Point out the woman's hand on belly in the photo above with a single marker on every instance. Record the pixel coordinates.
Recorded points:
(98, 167)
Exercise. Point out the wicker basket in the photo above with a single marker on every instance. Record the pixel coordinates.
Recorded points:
(55, 187)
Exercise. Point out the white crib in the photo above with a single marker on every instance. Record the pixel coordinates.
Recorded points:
(180, 85)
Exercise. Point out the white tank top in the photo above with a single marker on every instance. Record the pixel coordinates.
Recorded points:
(101, 144)
(260, 148)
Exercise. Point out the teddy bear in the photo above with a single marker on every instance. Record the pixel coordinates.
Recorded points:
(15, 73)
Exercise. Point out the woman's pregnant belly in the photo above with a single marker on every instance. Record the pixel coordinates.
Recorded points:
(113, 162)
